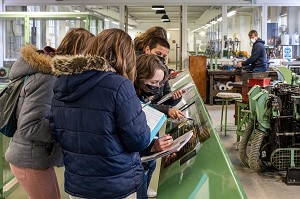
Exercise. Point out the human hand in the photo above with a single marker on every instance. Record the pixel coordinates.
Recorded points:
(177, 94)
(162, 143)
(174, 113)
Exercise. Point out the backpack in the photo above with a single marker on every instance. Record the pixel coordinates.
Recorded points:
(9, 98)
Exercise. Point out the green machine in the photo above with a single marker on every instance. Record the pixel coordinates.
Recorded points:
(274, 122)
(202, 168)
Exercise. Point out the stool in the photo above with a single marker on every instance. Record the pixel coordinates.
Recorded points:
(225, 98)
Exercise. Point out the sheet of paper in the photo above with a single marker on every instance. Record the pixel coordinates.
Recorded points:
(155, 119)
(175, 147)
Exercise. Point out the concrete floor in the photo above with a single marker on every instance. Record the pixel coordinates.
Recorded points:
(267, 185)
(256, 185)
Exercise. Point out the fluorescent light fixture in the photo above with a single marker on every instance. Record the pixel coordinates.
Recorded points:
(129, 27)
(220, 19)
(106, 19)
(84, 20)
(231, 13)
(78, 17)
(283, 15)
(194, 30)
(208, 25)
(160, 12)
(114, 22)
(213, 22)
(158, 7)
(205, 27)
(76, 10)
(165, 18)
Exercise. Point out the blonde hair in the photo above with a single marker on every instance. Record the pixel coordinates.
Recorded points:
(116, 47)
(142, 41)
(74, 42)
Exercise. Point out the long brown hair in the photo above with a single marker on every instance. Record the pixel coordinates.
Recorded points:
(142, 41)
(74, 42)
(116, 47)
(146, 66)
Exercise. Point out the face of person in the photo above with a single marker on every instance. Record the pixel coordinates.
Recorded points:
(159, 50)
(253, 38)
(156, 79)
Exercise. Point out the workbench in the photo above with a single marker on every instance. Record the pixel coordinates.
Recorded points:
(219, 74)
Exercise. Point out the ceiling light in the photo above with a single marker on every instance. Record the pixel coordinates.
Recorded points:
(76, 10)
(231, 13)
(165, 18)
(220, 19)
(106, 19)
(158, 7)
(213, 22)
(129, 27)
(114, 22)
(160, 12)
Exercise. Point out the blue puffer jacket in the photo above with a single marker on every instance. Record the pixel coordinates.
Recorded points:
(98, 121)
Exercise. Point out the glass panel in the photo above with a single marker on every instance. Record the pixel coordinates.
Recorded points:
(283, 32)
(204, 32)
(14, 38)
(53, 31)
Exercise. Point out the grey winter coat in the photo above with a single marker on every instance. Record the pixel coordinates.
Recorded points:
(32, 145)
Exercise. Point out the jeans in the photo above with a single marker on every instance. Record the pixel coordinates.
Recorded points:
(149, 168)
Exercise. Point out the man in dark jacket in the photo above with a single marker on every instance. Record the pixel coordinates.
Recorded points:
(258, 60)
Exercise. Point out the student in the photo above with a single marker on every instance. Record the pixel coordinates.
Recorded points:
(98, 119)
(258, 60)
(143, 39)
(161, 48)
(32, 151)
(151, 72)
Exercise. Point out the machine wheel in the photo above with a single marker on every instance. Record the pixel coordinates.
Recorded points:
(244, 142)
(254, 162)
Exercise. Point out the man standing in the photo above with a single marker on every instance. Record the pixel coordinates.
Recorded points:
(258, 60)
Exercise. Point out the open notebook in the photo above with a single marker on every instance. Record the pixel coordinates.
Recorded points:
(155, 119)
(175, 147)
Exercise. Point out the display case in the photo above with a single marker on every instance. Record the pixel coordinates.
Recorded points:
(202, 169)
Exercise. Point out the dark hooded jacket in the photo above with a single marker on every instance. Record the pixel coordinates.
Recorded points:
(98, 120)
(258, 59)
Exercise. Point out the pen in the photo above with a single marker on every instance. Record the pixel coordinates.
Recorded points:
(158, 137)
(149, 102)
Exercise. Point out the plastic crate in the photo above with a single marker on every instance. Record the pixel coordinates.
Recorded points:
(262, 82)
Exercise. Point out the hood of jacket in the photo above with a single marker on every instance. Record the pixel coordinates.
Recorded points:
(30, 62)
(78, 75)
(259, 40)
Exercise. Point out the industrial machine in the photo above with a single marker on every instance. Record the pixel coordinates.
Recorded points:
(275, 122)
